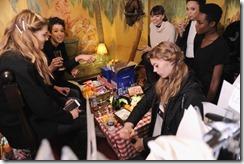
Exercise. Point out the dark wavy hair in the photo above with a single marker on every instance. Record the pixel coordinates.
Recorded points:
(55, 20)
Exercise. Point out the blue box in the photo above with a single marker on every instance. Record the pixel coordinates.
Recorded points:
(123, 79)
(106, 73)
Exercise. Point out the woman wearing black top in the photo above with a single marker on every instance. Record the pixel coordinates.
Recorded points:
(59, 64)
(187, 30)
(211, 51)
(173, 93)
(20, 52)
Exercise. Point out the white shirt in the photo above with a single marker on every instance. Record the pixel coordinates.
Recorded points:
(158, 124)
(190, 40)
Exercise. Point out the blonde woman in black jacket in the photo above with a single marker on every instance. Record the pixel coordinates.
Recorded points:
(173, 93)
(21, 52)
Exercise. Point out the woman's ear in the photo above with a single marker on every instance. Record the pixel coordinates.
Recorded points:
(212, 24)
(163, 16)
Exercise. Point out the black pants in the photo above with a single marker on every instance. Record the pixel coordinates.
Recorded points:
(75, 92)
(73, 135)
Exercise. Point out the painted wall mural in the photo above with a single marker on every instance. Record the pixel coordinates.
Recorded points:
(89, 22)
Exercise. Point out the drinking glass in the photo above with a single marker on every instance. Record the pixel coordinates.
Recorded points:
(58, 53)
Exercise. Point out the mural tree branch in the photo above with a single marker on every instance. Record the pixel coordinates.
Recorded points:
(98, 18)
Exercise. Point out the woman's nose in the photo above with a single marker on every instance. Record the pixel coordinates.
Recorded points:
(61, 33)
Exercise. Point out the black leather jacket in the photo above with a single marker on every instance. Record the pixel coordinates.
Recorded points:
(190, 93)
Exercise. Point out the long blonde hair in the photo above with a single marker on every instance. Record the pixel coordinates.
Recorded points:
(170, 86)
(18, 36)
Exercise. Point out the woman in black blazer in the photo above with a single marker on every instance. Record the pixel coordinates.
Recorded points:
(187, 31)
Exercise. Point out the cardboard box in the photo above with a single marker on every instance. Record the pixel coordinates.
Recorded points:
(123, 79)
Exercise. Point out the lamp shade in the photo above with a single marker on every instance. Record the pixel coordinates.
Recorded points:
(101, 49)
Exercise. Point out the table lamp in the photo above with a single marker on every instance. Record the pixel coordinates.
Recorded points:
(101, 49)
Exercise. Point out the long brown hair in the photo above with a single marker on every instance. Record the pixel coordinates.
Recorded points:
(18, 36)
(170, 86)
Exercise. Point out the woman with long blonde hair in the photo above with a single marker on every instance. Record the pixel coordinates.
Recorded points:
(21, 53)
(175, 90)
(19, 36)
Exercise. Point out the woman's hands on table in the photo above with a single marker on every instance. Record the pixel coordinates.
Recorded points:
(85, 57)
(127, 131)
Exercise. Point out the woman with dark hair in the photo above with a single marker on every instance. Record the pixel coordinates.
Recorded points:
(21, 53)
(160, 30)
(59, 63)
(187, 32)
(172, 94)
(211, 51)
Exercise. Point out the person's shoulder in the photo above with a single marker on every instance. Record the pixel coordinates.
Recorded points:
(169, 24)
(192, 82)
(13, 59)
(12, 54)
(47, 44)
(222, 44)
(151, 25)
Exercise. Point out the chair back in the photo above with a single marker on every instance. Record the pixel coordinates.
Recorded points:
(14, 124)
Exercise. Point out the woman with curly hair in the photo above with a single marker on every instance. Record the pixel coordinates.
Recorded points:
(173, 93)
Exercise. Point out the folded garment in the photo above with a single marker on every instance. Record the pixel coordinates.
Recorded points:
(176, 148)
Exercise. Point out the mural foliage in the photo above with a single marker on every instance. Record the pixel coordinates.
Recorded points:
(85, 26)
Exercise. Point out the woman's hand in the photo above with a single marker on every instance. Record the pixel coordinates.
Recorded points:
(85, 57)
(62, 90)
(74, 72)
(127, 131)
(181, 26)
(56, 63)
(139, 144)
(146, 49)
(75, 113)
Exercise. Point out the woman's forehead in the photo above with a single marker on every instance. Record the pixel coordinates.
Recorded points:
(57, 26)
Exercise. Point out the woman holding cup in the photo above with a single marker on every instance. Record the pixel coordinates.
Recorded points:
(187, 30)
(58, 61)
